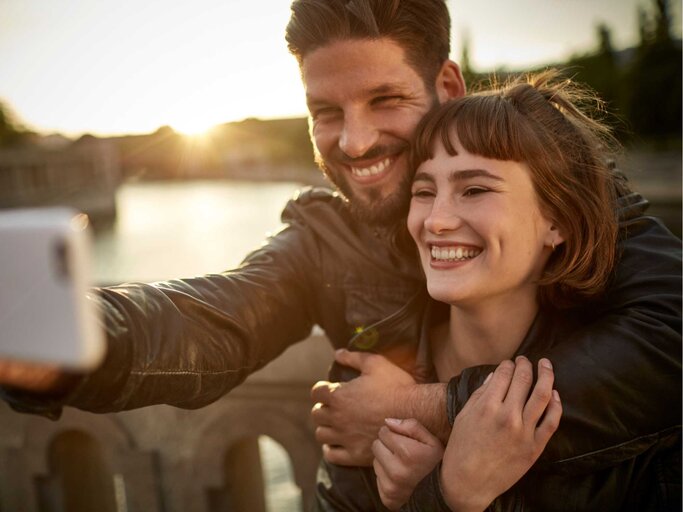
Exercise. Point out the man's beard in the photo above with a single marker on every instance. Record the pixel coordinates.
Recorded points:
(370, 207)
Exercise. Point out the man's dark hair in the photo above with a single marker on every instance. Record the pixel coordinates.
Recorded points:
(420, 27)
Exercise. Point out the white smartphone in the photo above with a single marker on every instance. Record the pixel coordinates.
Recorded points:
(44, 276)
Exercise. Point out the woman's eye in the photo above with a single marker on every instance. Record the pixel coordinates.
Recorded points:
(422, 193)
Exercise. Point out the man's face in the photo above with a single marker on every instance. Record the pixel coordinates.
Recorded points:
(365, 102)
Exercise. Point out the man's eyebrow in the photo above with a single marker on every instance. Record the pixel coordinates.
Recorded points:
(313, 101)
(386, 89)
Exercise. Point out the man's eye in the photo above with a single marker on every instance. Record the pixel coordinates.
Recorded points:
(422, 193)
(474, 191)
(383, 100)
(326, 112)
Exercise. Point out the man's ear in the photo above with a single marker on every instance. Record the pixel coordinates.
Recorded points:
(449, 82)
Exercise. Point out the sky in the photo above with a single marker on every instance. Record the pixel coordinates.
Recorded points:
(130, 66)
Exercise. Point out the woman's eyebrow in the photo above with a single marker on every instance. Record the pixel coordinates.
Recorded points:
(423, 176)
(459, 175)
(466, 174)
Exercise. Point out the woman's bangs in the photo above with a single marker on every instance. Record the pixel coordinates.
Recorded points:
(487, 126)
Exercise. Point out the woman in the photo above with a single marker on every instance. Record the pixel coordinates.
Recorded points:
(513, 214)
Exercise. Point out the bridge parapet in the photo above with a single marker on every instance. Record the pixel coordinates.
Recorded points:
(162, 458)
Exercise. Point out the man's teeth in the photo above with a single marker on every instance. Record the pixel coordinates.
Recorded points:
(372, 170)
(454, 253)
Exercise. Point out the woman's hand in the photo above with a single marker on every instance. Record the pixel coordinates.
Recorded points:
(405, 452)
(499, 434)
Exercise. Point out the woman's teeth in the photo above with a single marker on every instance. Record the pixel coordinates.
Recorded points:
(372, 170)
(453, 253)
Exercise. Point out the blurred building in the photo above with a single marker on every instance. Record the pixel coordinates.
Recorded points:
(83, 175)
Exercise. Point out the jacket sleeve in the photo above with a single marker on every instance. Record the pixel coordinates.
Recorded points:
(619, 377)
(186, 342)
(428, 497)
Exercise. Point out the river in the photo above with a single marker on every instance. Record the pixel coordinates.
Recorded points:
(179, 229)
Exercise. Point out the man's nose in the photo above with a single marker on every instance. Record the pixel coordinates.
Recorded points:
(444, 216)
(358, 135)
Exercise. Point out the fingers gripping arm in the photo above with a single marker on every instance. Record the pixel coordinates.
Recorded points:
(349, 415)
(496, 438)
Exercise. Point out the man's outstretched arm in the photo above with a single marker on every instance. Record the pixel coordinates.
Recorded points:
(185, 342)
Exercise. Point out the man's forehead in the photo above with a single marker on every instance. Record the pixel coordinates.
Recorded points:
(387, 87)
(369, 65)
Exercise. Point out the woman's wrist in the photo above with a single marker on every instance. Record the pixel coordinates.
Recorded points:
(458, 496)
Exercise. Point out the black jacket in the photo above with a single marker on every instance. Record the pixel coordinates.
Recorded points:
(641, 474)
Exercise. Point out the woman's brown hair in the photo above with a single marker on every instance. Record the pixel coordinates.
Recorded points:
(539, 120)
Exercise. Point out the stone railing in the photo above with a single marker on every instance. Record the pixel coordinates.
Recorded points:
(162, 458)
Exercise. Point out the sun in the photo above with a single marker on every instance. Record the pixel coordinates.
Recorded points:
(193, 125)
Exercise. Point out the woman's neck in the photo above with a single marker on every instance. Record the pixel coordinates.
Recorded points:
(487, 333)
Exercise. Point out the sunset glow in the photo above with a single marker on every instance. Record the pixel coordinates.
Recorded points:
(111, 67)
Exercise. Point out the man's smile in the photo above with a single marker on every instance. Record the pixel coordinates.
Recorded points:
(372, 170)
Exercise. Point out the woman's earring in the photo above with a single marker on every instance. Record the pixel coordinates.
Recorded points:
(553, 246)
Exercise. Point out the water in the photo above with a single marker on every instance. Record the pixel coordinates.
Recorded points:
(171, 229)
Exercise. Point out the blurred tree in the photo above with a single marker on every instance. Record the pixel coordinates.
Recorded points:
(468, 73)
(11, 132)
(599, 69)
(644, 29)
(642, 86)
(662, 21)
(652, 81)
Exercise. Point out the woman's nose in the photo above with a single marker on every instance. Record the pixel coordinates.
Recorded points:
(444, 216)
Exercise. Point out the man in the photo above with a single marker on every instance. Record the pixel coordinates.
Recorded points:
(364, 105)
(371, 70)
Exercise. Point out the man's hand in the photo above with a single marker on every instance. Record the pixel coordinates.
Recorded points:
(40, 378)
(348, 415)
(499, 434)
(405, 453)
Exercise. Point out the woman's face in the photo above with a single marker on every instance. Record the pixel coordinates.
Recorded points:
(478, 227)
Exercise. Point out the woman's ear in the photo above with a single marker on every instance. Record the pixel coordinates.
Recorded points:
(554, 237)
(449, 82)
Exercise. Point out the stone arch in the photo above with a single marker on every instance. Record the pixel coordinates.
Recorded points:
(284, 426)
(39, 433)
(281, 491)
(79, 478)
(132, 473)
